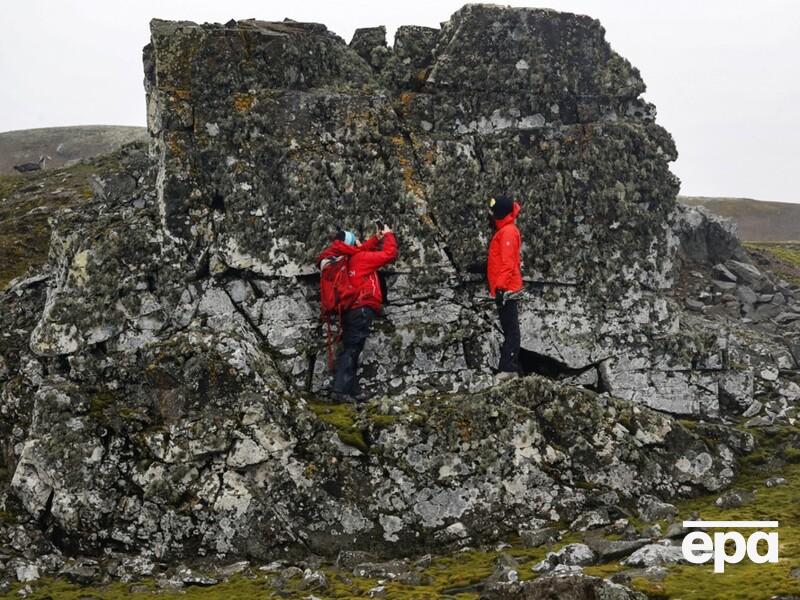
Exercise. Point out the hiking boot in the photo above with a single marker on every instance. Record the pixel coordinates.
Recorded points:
(504, 376)
(362, 396)
(340, 398)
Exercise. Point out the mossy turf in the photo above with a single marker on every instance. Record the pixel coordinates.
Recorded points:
(782, 257)
(342, 417)
(746, 580)
(28, 201)
(458, 574)
(350, 421)
(454, 576)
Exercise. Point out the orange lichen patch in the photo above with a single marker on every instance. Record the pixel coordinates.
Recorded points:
(180, 93)
(464, 430)
(361, 116)
(406, 98)
(243, 102)
(411, 182)
(426, 219)
(174, 143)
(398, 141)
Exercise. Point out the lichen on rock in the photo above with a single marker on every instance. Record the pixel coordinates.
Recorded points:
(162, 373)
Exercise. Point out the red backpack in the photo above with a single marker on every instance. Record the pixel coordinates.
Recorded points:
(337, 294)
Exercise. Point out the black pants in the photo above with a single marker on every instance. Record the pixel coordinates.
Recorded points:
(356, 323)
(509, 321)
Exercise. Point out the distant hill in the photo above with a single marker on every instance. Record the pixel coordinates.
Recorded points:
(757, 220)
(65, 145)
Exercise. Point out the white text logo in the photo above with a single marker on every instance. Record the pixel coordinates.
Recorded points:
(698, 546)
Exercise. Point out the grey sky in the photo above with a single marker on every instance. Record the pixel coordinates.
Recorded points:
(723, 73)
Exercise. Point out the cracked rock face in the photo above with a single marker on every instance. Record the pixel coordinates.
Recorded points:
(160, 377)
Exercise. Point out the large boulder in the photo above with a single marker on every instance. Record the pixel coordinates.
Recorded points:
(161, 375)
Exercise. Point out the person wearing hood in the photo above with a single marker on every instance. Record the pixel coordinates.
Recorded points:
(362, 304)
(504, 274)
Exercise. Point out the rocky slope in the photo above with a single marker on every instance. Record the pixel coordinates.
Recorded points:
(161, 373)
(64, 146)
(756, 220)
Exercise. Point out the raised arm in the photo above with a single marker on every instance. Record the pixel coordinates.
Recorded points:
(372, 243)
(375, 259)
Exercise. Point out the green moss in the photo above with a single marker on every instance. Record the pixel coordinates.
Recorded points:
(445, 574)
(6, 517)
(792, 455)
(786, 252)
(343, 418)
(758, 457)
(604, 570)
(784, 257)
(9, 184)
(745, 580)
(27, 202)
(236, 587)
(98, 404)
(380, 420)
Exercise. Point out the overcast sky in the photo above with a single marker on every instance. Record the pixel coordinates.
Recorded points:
(724, 74)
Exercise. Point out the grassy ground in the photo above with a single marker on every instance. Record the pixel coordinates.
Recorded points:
(745, 580)
(781, 257)
(28, 201)
(447, 575)
(63, 144)
(756, 220)
(453, 574)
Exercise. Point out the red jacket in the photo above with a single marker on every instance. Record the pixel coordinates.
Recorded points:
(503, 269)
(365, 260)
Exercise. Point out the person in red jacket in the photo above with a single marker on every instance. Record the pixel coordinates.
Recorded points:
(505, 280)
(364, 261)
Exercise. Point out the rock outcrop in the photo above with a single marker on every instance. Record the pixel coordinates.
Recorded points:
(161, 377)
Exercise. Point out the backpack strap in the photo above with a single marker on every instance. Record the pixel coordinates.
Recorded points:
(329, 344)
(331, 339)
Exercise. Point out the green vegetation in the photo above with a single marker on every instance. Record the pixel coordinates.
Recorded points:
(756, 220)
(6, 517)
(236, 587)
(342, 417)
(456, 573)
(26, 204)
(9, 184)
(351, 422)
(782, 257)
(98, 403)
(745, 580)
